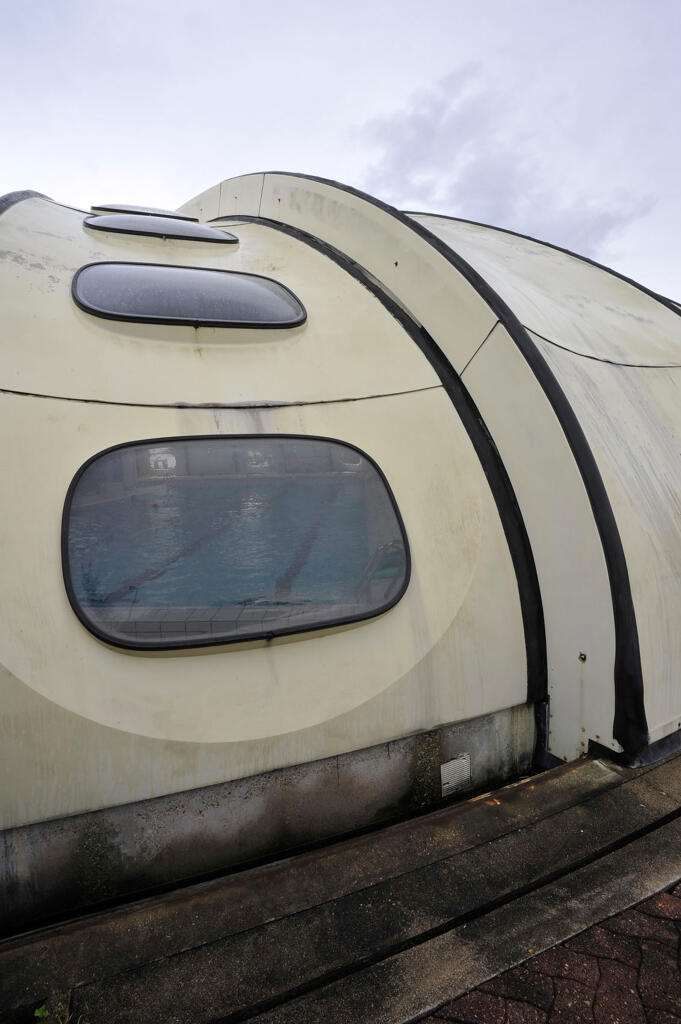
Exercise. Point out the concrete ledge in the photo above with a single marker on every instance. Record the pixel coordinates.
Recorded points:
(248, 969)
(100, 946)
(408, 986)
(56, 868)
(381, 928)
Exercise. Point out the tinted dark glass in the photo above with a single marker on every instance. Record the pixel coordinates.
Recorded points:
(209, 540)
(144, 211)
(184, 295)
(166, 227)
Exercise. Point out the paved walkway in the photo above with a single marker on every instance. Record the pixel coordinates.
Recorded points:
(625, 970)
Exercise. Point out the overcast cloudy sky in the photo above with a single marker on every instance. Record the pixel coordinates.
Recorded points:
(559, 118)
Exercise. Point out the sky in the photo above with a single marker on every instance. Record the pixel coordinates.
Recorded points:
(555, 118)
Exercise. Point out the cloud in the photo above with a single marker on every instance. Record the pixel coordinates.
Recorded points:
(469, 149)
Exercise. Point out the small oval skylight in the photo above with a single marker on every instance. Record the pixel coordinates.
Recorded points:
(164, 227)
(143, 211)
(159, 294)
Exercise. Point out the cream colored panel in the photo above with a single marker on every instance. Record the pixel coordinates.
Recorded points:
(434, 292)
(57, 762)
(263, 689)
(350, 346)
(567, 549)
(235, 195)
(565, 299)
(632, 421)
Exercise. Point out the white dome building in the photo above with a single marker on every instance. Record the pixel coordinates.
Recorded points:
(315, 512)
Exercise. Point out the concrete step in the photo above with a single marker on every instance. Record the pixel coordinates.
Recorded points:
(278, 939)
(407, 986)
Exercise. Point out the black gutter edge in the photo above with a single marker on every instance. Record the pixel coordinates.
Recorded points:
(12, 198)
(651, 754)
(543, 759)
(663, 299)
(498, 480)
(630, 727)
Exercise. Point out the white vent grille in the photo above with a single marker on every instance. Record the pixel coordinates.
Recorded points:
(456, 774)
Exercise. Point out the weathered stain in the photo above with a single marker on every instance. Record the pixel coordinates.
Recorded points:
(96, 864)
(424, 770)
(132, 848)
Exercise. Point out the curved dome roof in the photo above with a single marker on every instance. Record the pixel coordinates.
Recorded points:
(567, 300)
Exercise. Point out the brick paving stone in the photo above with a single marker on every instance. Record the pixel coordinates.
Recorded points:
(659, 982)
(564, 963)
(523, 985)
(475, 1008)
(573, 1003)
(664, 905)
(631, 922)
(626, 970)
(617, 999)
(524, 1013)
(660, 1017)
(600, 942)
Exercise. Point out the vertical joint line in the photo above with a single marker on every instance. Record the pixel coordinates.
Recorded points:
(490, 332)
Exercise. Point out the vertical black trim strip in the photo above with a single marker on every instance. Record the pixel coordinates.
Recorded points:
(499, 482)
(630, 727)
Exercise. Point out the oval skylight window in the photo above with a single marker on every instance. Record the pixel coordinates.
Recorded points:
(143, 211)
(158, 294)
(164, 227)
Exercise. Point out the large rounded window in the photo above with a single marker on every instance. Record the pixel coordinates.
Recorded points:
(182, 542)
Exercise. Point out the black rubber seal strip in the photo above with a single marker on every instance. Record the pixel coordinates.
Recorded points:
(499, 482)
(651, 754)
(669, 303)
(12, 198)
(256, 634)
(630, 726)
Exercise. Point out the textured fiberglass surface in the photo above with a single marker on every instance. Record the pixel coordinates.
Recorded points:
(219, 539)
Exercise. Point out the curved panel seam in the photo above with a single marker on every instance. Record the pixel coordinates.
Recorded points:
(480, 346)
(218, 405)
(498, 480)
(630, 727)
(601, 359)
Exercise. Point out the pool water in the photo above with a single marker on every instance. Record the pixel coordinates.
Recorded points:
(222, 542)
